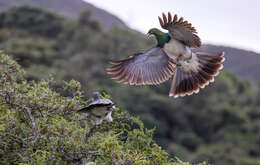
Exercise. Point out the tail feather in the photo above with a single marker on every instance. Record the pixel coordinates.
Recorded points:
(209, 70)
(189, 82)
(195, 84)
(200, 79)
(210, 59)
(208, 64)
(183, 84)
(190, 86)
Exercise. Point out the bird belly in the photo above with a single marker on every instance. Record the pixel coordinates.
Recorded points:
(99, 111)
(174, 48)
(190, 65)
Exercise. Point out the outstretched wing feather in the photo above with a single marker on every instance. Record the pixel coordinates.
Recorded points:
(150, 67)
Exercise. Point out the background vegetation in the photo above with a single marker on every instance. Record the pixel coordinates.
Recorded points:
(220, 124)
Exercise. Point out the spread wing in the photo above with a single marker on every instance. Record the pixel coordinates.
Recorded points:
(148, 68)
(96, 104)
(90, 107)
(180, 30)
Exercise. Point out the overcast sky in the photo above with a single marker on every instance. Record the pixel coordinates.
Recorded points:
(223, 22)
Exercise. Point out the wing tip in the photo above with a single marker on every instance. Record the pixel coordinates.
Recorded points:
(115, 62)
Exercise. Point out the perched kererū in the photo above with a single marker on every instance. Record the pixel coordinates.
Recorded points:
(99, 109)
(172, 56)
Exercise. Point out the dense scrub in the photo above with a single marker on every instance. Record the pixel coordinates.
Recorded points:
(39, 126)
(220, 124)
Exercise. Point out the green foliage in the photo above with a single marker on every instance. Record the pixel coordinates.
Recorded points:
(39, 126)
(86, 21)
(41, 50)
(36, 20)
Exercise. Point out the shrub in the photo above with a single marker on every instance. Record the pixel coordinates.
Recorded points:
(39, 126)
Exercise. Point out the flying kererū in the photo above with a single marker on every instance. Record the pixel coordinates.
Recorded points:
(172, 56)
(99, 109)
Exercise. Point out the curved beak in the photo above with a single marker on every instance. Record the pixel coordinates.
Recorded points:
(148, 35)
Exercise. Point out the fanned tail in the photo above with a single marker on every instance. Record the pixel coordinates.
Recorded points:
(188, 82)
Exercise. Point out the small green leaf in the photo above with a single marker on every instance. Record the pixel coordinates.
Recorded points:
(2, 127)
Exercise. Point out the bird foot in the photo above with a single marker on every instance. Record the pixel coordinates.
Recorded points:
(180, 57)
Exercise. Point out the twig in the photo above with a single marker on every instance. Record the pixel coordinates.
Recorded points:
(36, 129)
(21, 157)
(17, 139)
(92, 152)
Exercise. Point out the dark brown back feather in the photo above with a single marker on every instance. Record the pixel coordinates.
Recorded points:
(180, 30)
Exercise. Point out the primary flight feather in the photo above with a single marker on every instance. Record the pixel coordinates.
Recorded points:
(172, 56)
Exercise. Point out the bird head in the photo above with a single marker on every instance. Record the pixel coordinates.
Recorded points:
(153, 31)
(111, 107)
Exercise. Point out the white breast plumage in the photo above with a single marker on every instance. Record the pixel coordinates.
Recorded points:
(174, 48)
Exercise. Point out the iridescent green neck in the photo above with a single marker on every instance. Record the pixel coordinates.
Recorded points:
(162, 38)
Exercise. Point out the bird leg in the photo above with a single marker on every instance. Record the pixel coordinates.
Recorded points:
(93, 127)
(88, 133)
(179, 57)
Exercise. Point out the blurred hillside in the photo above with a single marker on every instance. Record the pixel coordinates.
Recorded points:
(220, 124)
(71, 8)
